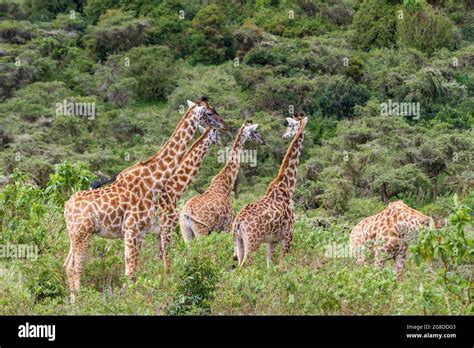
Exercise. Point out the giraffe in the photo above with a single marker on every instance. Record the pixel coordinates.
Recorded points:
(126, 208)
(386, 234)
(212, 210)
(176, 186)
(271, 219)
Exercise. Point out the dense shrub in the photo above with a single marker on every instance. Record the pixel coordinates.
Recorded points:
(148, 73)
(374, 25)
(425, 29)
(116, 32)
(210, 42)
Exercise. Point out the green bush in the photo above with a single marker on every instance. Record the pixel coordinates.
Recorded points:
(425, 29)
(116, 32)
(147, 73)
(449, 253)
(374, 25)
(210, 42)
(195, 287)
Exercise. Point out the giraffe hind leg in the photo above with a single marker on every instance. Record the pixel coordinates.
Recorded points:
(186, 231)
(238, 249)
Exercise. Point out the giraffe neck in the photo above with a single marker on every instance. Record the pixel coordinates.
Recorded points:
(186, 171)
(225, 180)
(414, 217)
(285, 182)
(147, 178)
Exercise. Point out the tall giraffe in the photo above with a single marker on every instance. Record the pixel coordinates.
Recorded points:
(176, 186)
(126, 208)
(271, 219)
(386, 234)
(212, 210)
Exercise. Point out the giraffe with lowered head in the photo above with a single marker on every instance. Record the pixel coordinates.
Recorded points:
(176, 186)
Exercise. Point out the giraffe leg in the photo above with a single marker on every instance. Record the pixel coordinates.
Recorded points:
(249, 248)
(68, 268)
(185, 228)
(132, 249)
(400, 259)
(358, 251)
(270, 254)
(198, 229)
(166, 237)
(287, 238)
(159, 246)
(238, 249)
(285, 247)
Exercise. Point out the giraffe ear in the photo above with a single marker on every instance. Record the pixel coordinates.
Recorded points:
(305, 120)
(191, 104)
(201, 128)
(290, 121)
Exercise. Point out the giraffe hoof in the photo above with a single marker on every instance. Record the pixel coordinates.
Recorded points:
(234, 258)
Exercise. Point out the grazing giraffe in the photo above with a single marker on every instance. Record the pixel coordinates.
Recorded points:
(271, 219)
(212, 210)
(126, 208)
(176, 186)
(387, 233)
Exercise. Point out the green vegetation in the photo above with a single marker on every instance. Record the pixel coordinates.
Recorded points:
(350, 65)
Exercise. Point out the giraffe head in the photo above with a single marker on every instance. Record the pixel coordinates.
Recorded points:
(250, 132)
(295, 124)
(207, 114)
(213, 136)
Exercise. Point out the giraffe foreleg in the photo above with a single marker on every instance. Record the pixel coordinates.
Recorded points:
(270, 254)
(132, 249)
(159, 246)
(380, 247)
